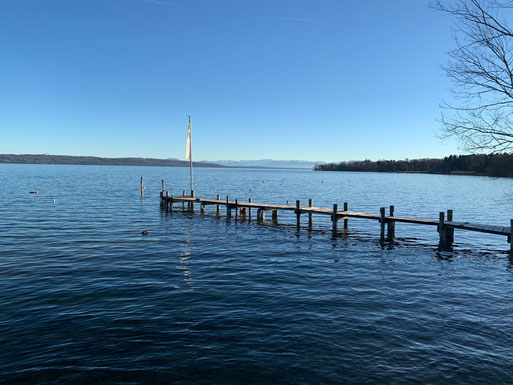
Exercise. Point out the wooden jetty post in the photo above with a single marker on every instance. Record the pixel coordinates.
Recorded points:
(183, 203)
(228, 208)
(168, 202)
(310, 215)
(163, 185)
(142, 187)
(391, 225)
(334, 218)
(249, 210)
(442, 231)
(218, 207)
(511, 238)
(236, 208)
(345, 220)
(275, 217)
(449, 230)
(298, 214)
(382, 224)
(171, 202)
(192, 203)
(260, 215)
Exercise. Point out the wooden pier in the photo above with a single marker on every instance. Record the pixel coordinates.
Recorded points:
(445, 224)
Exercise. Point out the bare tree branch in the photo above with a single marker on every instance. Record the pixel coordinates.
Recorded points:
(481, 69)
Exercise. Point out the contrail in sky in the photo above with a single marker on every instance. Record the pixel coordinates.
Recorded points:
(157, 2)
(289, 18)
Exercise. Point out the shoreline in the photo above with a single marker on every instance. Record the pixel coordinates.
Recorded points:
(454, 173)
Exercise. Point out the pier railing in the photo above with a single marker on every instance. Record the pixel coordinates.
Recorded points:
(445, 224)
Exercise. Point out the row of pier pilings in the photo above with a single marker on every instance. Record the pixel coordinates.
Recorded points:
(387, 223)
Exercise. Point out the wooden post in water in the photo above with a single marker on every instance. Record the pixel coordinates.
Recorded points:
(168, 201)
(345, 220)
(249, 210)
(275, 217)
(236, 209)
(449, 237)
(260, 215)
(228, 208)
(391, 226)
(192, 203)
(298, 214)
(183, 203)
(142, 187)
(310, 215)
(511, 238)
(218, 207)
(162, 199)
(163, 185)
(382, 224)
(441, 231)
(334, 219)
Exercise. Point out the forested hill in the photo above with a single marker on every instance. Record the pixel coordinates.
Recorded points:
(491, 165)
(93, 160)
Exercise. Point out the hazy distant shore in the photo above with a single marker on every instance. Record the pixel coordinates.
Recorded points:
(93, 160)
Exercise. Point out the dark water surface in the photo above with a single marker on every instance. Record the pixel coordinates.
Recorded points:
(85, 298)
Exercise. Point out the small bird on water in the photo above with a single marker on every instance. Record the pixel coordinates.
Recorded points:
(145, 232)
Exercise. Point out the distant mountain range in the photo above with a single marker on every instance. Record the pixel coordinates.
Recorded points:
(267, 163)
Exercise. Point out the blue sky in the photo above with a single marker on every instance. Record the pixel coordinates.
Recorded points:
(284, 79)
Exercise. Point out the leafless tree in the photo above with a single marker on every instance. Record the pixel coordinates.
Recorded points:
(481, 69)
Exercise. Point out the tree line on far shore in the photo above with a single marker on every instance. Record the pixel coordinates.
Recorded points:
(93, 160)
(499, 165)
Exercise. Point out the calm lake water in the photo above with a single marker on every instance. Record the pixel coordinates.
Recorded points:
(85, 298)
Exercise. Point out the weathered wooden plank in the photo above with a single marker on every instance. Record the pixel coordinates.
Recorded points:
(353, 214)
(490, 229)
(316, 210)
(420, 221)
